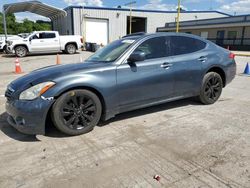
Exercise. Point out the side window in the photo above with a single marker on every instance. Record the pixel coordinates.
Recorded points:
(47, 35)
(154, 47)
(35, 36)
(184, 45)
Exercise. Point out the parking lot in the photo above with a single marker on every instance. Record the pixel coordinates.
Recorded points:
(187, 144)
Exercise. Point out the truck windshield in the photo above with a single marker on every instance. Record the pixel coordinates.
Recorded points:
(112, 51)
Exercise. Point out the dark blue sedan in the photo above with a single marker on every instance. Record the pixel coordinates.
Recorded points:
(134, 72)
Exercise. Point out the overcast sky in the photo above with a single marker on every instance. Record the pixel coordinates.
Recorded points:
(228, 6)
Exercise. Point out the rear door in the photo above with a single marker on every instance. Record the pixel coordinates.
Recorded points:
(49, 42)
(220, 37)
(188, 55)
(147, 81)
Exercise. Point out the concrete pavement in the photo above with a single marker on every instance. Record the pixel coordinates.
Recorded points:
(187, 144)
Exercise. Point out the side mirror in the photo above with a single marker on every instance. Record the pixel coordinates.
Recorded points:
(136, 56)
(30, 39)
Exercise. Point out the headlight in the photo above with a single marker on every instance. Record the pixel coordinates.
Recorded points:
(35, 91)
(9, 42)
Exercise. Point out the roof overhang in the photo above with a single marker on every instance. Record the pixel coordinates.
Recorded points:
(35, 7)
(195, 27)
(234, 21)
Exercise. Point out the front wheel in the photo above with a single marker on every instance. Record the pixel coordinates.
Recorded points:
(76, 112)
(20, 51)
(211, 89)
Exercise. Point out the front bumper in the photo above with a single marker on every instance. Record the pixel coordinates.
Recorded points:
(28, 117)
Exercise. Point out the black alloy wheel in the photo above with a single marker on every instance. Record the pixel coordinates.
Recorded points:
(76, 112)
(211, 88)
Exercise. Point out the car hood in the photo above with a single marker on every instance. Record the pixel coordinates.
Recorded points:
(11, 38)
(53, 73)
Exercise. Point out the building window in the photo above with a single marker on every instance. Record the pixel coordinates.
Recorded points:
(204, 34)
(232, 35)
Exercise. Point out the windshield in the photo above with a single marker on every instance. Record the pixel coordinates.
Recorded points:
(112, 51)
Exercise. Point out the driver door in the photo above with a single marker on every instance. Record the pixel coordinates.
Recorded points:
(35, 43)
(146, 81)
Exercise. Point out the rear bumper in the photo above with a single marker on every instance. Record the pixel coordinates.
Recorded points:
(230, 73)
(28, 117)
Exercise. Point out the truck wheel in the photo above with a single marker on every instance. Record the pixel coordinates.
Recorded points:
(4, 49)
(7, 51)
(21, 51)
(211, 89)
(70, 49)
(76, 112)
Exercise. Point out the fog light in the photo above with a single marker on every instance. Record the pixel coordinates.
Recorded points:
(20, 121)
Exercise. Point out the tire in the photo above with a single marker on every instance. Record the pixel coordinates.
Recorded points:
(4, 49)
(76, 112)
(70, 49)
(211, 89)
(21, 51)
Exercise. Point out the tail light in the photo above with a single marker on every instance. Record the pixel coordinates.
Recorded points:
(231, 55)
(81, 40)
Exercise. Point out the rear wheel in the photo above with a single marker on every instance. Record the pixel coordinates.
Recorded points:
(211, 90)
(76, 112)
(21, 51)
(70, 49)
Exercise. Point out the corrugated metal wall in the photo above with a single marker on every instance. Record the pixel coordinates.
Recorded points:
(64, 25)
(118, 20)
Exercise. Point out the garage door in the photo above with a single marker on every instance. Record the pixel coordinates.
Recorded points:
(97, 31)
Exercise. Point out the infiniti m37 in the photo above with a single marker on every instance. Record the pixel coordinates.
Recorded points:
(134, 72)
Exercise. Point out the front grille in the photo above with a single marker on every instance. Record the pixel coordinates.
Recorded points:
(9, 92)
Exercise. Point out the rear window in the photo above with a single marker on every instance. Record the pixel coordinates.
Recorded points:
(184, 45)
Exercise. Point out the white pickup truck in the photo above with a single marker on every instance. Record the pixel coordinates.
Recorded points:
(45, 42)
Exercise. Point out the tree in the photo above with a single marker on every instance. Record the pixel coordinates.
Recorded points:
(27, 26)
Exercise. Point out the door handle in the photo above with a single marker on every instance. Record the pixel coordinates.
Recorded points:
(202, 59)
(41, 40)
(166, 65)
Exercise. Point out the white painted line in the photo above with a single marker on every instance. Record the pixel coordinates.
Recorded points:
(1, 95)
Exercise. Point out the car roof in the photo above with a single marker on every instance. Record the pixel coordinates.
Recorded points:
(140, 35)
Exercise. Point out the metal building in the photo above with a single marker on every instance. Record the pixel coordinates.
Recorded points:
(102, 25)
(232, 32)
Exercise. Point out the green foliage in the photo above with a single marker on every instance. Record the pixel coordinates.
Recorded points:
(13, 27)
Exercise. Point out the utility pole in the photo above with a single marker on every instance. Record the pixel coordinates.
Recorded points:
(178, 16)
(130, 17)
(4, 23)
